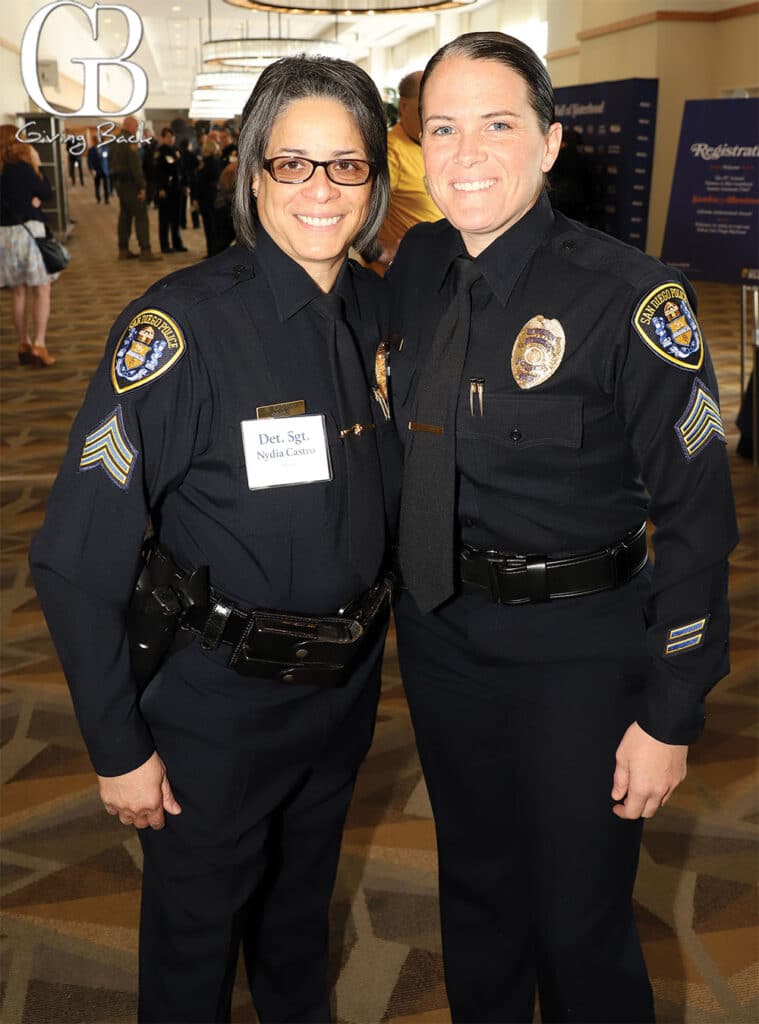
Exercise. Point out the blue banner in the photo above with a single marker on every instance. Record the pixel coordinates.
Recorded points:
(616, 121)
(712, 230)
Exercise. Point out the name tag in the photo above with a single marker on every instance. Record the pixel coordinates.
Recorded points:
(286, 451)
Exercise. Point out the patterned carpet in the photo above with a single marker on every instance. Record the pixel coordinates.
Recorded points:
(70, 874)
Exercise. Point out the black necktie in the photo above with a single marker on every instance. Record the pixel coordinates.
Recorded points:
(428, 496)
(356, 426)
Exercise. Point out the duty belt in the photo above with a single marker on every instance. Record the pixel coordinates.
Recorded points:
(320, 650)
(509, 578)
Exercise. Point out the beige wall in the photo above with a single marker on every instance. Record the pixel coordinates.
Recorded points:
(692, 59)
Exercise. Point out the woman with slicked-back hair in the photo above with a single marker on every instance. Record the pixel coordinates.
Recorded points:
(553, 392)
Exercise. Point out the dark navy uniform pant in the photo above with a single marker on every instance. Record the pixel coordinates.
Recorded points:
(264, 774)
(518, 712)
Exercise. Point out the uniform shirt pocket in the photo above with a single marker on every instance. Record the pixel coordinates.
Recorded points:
(526, 421)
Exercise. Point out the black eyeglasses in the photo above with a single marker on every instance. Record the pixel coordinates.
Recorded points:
(295, 170)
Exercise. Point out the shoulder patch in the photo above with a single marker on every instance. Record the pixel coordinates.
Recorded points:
(150, 346)
(108, 447)
(666, 323)
(700, 423)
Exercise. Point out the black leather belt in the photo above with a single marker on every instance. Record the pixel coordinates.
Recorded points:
(170, 607)
(320, 650)
(521, 579)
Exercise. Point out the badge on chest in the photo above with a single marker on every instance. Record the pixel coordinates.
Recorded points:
(286, 450)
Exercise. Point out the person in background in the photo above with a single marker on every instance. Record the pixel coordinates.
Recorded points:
(99, 168)
(23, 190)
(129, 181)
(190, 162)
(171, 192)
(75, 162)
(223, 223)
(553, 392)
(227, 139)
(237, 763)
(410, 202)
(206, 187)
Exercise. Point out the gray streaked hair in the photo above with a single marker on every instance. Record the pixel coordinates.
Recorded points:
(301, 77)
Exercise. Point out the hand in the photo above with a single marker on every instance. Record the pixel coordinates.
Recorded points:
(141, 194)
(140, 797)
(36, 202)
(647, 773)
(161, 193)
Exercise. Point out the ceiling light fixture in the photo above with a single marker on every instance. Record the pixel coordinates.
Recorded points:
(349, 7)
(258, 53)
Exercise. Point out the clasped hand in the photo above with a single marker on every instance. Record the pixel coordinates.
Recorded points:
(140, 797)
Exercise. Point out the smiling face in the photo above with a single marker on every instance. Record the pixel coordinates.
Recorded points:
(314, 223)
(484, 150)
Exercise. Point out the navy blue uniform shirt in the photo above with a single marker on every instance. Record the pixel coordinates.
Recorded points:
(159, 435)
(626, 427)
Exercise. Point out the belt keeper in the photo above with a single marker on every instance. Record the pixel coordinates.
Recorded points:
(620, 564)
(537, 579)
(215, 625)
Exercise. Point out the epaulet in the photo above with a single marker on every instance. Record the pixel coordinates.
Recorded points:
(599, 252)
(193, 285)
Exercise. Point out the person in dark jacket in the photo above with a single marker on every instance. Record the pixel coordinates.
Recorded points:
(99, 167)
(171, 192)
(206, 189)
(233, 407)
(554, 392)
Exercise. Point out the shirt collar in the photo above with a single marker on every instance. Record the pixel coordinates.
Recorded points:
(290, 285)
(505, 258)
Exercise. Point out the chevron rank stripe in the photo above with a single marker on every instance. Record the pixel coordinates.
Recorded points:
(685, 638)
(700, 423)
(108, 447)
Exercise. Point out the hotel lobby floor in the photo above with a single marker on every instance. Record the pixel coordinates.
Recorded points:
(70, 873)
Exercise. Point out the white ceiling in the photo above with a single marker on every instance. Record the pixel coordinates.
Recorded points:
(171, 49)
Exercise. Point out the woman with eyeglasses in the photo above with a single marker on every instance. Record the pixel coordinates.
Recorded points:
(235, 408)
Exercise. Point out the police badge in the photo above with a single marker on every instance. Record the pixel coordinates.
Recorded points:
(381, 389)
(666, 323)
(537, 352)
(150, 345)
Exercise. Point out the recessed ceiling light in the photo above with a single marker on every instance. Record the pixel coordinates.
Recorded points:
(176, 7)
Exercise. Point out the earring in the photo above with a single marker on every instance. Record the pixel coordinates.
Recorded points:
(255, 194)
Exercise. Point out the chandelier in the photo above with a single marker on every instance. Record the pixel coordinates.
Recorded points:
(258, 53)
(349, 7)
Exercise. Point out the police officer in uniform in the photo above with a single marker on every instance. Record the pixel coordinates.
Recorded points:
(554, 392)
(169, 177)
(129, 181)
(233, 407)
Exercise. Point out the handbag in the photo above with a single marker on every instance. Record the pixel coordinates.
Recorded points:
(55, 255)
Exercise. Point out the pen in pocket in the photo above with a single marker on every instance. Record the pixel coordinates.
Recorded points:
(477, 392)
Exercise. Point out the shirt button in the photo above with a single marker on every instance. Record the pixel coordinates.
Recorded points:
(469, 522)
(516, 435)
